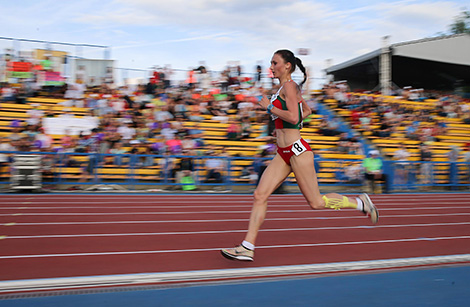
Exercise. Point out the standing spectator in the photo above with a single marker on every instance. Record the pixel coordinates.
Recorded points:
(373, 170)
(5, 145)
(259, 71)
(92, 147)
(185, 168)
(426, 165)
(453, 156)
(466, 159)
(402, 165)
(167, 166)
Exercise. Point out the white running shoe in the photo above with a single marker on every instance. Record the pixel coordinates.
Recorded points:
(369, 208)
(238, 253)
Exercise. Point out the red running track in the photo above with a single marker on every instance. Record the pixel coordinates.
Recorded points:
(48, 236)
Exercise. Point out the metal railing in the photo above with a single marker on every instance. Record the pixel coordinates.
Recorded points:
(133, 170)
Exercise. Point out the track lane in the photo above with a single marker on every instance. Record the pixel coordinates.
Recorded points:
(178, 252)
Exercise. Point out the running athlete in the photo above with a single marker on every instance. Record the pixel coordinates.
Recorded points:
(293, 155)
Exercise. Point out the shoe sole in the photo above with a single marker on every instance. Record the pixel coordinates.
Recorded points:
(374, 213)
(233, 257)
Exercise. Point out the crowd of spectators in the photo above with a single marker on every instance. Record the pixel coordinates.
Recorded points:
(146, 119)
(151, 118)
(420, 124)
(387, 118)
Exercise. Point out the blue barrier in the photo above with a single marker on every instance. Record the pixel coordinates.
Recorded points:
(139, 169)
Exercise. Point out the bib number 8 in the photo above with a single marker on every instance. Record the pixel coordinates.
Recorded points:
(298, 148)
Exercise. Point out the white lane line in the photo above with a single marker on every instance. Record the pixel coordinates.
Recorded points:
(212, 197)
(210, 212)
(228, 231)
(182, 206)
(223, 274)
(205, 195)
(218, 248)
(234, 220)
(209, 201)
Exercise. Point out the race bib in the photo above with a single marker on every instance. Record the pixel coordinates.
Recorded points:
(298, 147)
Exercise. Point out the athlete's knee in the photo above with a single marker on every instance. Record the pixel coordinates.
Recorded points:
(260, 196)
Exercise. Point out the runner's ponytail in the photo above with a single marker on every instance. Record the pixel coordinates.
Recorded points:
(299, 64)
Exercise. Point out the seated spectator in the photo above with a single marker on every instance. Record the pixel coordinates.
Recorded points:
(353, 172)
(373, 171)
(118, 149)
(312, 102)
(217, 112)
(180, 109)
(163, 115)
(245, 128)
(466, 118)
(195, 114)
(147, 159)
(187, 143)
(329, 128)
(178, 125)
(168, 132)
(385, 129)
(214, 168)
(234, 130)
(8, 93)
(127, 132)
(355, 146)
(343, 143)
(175, 145)
(197, 134)
(264, 134)
(250, 174)
(35, 115)
(43, 141)
(270, 146)
(66, 140)
(412, 132)
(365, 120)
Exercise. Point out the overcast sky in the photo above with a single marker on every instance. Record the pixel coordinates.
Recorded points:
(144, 33)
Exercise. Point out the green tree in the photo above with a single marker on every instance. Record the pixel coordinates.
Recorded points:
(461, 23)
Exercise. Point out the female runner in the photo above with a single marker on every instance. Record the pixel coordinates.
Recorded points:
(293, 155)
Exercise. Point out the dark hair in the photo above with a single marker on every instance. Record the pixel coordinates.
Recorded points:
(289, 57)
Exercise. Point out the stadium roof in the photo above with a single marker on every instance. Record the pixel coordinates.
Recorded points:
(448, 55)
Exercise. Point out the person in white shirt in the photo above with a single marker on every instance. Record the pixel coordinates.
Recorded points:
(163, 115)
(5, 145)
(402, 165)
(127, 132)
(35, 115)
